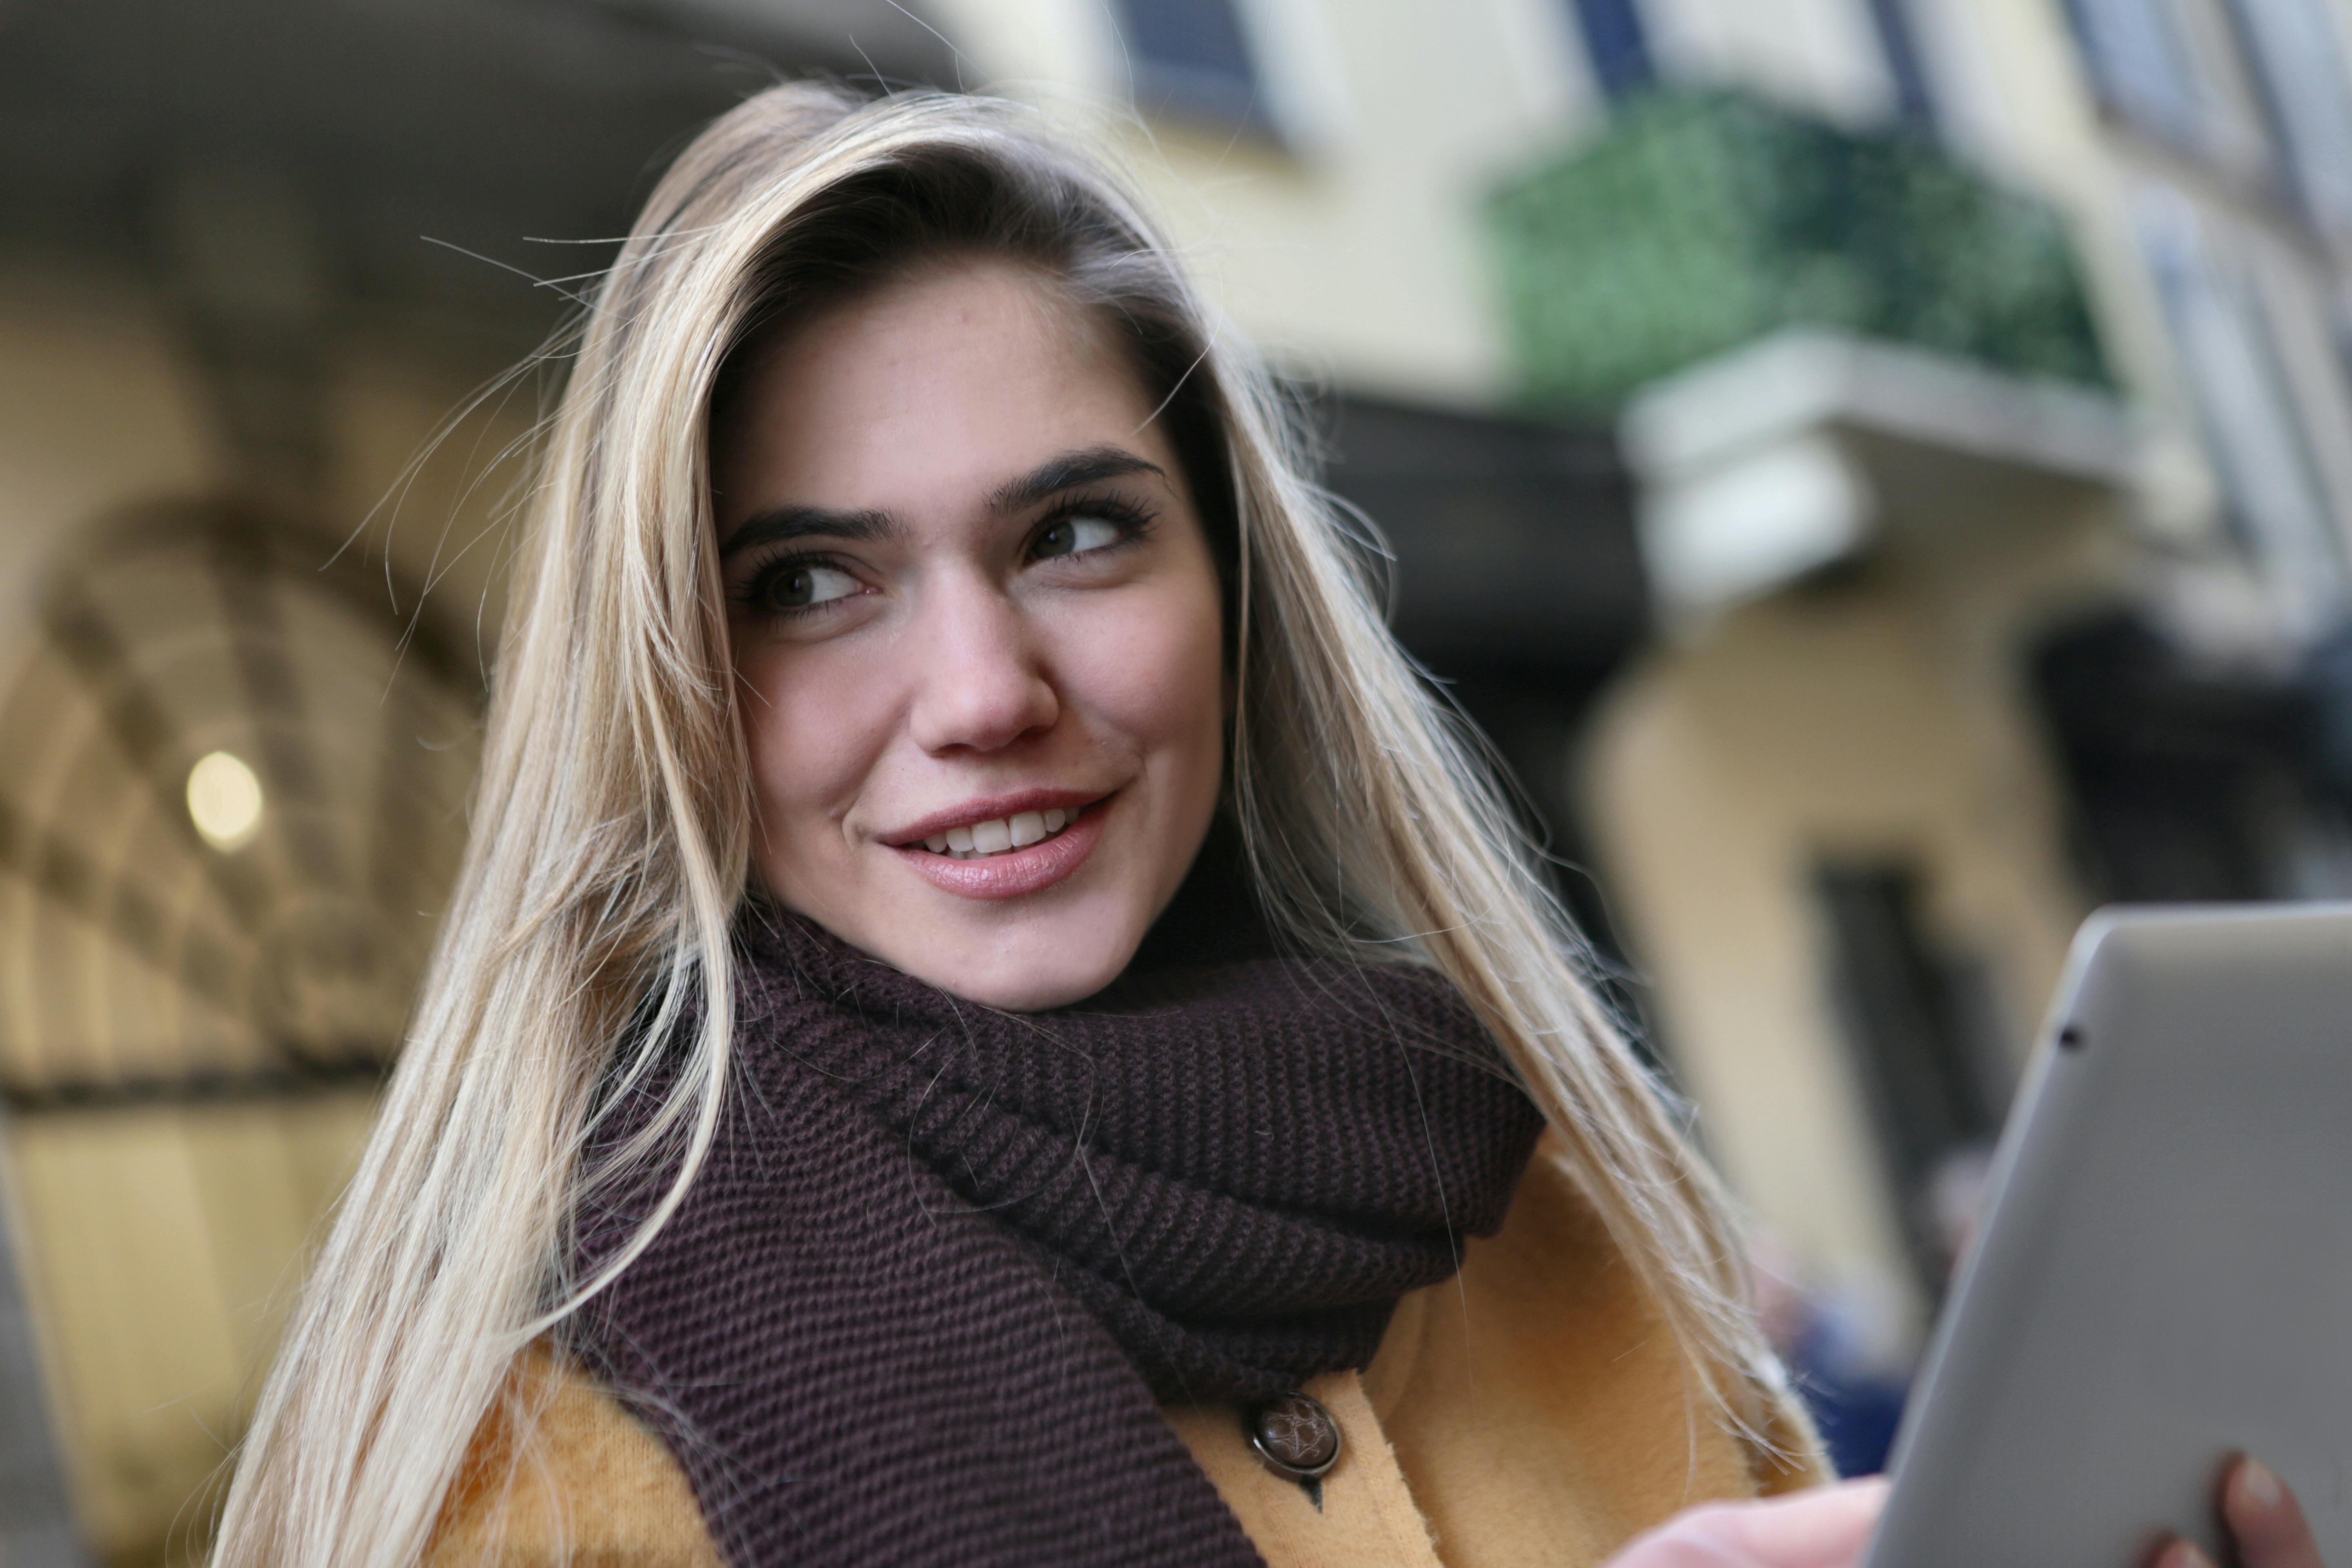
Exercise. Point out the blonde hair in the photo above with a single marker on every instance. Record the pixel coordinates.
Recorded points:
(610, 851)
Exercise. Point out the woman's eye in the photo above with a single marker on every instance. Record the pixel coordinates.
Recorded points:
(1076, 535)
(804, 587)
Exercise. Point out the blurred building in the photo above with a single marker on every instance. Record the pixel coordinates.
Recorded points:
(1983, 368)
(1877, 468)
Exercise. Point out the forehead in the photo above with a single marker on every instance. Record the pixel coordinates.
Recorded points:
(946, 381)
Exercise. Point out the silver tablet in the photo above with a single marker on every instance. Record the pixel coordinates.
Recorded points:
(2164, 1276)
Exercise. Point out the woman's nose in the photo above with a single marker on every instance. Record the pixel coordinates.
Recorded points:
(979, 684)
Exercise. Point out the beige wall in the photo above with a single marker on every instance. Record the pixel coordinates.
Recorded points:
(96, 411)
(1355, 251)
(100, 409)
(1876, 717)
(1819, 53)
(429, 443)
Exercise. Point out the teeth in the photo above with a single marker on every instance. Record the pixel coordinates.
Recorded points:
(1016, 831)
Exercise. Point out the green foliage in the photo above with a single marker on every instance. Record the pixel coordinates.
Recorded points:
(1703, 221)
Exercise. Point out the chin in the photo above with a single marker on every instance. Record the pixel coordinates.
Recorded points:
(1035, 972)
(999, 956)
(1019, 955)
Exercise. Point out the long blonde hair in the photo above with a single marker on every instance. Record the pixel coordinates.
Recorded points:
(610, 824)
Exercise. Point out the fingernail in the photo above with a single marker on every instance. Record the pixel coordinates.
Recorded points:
(2259, 1485)
(2183, 1554)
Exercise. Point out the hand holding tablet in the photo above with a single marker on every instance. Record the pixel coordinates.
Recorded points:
(1826, 1528)
(2264, 1520)
(1831, 1528)
(2162, 1287)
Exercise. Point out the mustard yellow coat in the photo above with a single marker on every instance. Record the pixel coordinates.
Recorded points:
(1532, 1410)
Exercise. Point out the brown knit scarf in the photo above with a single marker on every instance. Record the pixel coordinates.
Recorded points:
(920, 1304)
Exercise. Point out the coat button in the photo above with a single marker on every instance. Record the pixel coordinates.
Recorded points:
(1295, 1437)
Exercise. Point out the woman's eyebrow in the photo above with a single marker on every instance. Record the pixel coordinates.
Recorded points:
(1089, 466)
(778, 524)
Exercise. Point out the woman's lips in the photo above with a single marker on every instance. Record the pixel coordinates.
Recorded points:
(1010, 873)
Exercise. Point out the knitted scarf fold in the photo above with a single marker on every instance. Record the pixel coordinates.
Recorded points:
(943, 1262)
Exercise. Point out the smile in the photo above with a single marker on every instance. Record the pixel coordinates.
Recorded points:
(1033, 840)
(1001, 834)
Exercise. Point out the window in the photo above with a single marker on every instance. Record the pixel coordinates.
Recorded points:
(1917, 1033)
(1913, 105)
(2180, 776)
(2340, 341)
(2140, 64)
(2254, 431)
(2297, 54)
(1191, 58)
(1617, 45)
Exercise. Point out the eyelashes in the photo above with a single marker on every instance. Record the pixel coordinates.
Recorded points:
(824, 580)
(802, 584)
(1132, 521)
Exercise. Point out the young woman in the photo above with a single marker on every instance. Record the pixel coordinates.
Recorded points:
(989, 1017)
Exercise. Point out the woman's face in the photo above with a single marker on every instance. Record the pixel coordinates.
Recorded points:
(976, 624)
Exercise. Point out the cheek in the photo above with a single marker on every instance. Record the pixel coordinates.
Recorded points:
(1152, 669)
(812, 731)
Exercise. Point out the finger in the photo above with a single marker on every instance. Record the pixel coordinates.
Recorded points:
(1823, 1528)
(2179, 1553)
(2265, 1517)
(1826, 1528)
